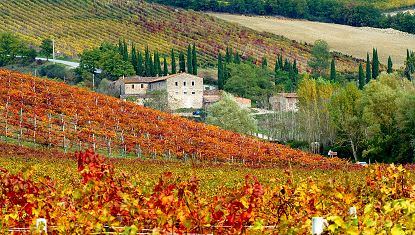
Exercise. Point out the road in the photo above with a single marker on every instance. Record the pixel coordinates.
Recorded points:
(64, 62)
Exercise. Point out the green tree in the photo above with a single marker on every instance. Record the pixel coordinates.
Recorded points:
(134, 59)
(157, 64)
(125, 51)
(140, 66)
(347, 118)
(10, 47)
(157, 100)
(182, 62)
(249, 81)
(362, 81)
(221, 79)
(380, 103)
(189, 60)
(147, 63)
(173, 62)
(320, 58)
(194, 60)
(228, 55)
(390, 65)
(227, 114)
(46, 48)
(264, 62)
(375, 64)
(333, 71)
(166, 69)
(237, 58)
(409, 65)
(368, 70)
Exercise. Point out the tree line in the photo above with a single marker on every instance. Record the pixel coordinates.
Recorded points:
(125, 60)
(331, 11)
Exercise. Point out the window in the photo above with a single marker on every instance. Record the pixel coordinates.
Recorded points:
(142, 86)
(184, 83)
(185, 92)
(132, 86)
(193, 92)
(177, 92)
(177, 84)
(193, 83)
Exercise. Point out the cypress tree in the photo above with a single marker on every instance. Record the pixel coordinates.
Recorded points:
(237, 58)
(362, 81)
(157, 64)
(375, 64)
(189, 59)
(152, 67)
(194, 60)
(147, 65)
(173, 62)
(134, 57)
(368, 70)
(333, 71)
(276, 68)
(125, 51)
(140, 68)
(281, 62)
(166, 69)
(182, 62)
(295, 66)
(221, 81)
(120, 47)
(390, 65)
(287, 65)
(264, 62)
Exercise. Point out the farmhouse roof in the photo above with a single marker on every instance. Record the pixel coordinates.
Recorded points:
(138, 79)
(288, 95)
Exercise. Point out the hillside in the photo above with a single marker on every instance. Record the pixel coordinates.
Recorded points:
(76, 25)
(349, 40)
(54, 114)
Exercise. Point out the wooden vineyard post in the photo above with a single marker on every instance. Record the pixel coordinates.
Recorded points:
(109, 146)
(20, 127)
(34, 129)
(63, 132)
(49, 129)
(122, 143)
(7, 117)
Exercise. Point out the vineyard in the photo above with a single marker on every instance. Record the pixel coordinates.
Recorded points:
(88, 194)
(77, 25)
(52, 114)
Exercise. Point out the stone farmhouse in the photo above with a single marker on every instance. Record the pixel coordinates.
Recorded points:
(284, 102)
(183, 90)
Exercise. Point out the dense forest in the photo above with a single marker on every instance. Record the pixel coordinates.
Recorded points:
(332, 11)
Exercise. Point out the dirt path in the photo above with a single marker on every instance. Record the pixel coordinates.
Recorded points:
(349, 40)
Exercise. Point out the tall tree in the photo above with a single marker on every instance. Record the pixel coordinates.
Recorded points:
(368, 70)
(173, 62)
(189, 59)
(147, 64)
(221, 78)
(390, 65)
(166, 69)
(46, 48)
(140, 67)
(237, 58)
(125, 51)
(157, 64)
(295, 67)
(228, 55)
(194, 60)
(182, 62)
(152, 67)
(134, 57)
(320, 58)
(333, 71)
(375, 64)
(264, 62)
(362, 81)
